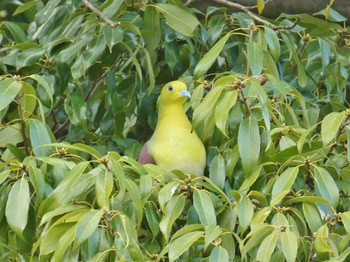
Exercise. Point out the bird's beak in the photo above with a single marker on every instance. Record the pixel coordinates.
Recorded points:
(185, 93)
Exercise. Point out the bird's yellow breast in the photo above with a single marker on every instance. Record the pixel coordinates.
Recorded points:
(175, 145)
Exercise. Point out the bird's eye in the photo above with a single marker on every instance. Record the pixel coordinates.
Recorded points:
(170, 88)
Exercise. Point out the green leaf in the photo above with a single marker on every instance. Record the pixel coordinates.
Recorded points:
(152, 218)
(24, 7)
(249, 181)
(172, 211)
(256, 236)
(261, 6)
(321, 245)
(135, 193)
(42, 81)
(86, 226)
(113, 36)
(312, 216)
(209, 58)
(29, 57)
(330, 126)
(289, 243)
(325, 186)
(266, 248)
(60, 211)
(222, 109)
(178, 19)
(38, 181)
(273, 43)
(11, 135)
(9, 89)
(16, 31)
(181, 244)
(283, 184)
(203, 117)
(50, 238)
(166, 193)
(104, 187)
(151, 30)
(219, 254)
(249, 144)
(256, 57)
(62, 245)
(212, 232)
(3, 175)
(302, 79)
(245, 212)
(204, 207)
(345, 218)
(39, 135)
(217, 171)
(17, 206)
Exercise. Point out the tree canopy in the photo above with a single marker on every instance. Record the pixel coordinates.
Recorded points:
(78, 89)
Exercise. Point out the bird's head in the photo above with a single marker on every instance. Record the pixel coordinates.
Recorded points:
(174, 92)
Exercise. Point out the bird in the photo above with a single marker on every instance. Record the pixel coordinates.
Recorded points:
(174, 144)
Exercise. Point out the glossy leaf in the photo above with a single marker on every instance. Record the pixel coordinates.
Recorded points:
(217, 171)
(245, 212)
(171, 212)
(181, 244)
(17, 206)
(9, 89)
(219, 254)
(325, 186)
(209, 58)
(104, 187)
(249, 144)
(39, 137)
(330, 126)
(289, 243)
(177, 18)
(204, 206)
(267, 247)
(255, 56)
(226, 102)
(283, 184)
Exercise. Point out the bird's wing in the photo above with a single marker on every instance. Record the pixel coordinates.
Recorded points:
(145, 157)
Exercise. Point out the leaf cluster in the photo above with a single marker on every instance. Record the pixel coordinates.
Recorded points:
(271, 107)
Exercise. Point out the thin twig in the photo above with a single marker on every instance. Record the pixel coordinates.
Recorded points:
(100, 14)
(256, 17)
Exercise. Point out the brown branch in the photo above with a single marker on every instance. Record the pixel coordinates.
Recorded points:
(100, 14)
(257, 18)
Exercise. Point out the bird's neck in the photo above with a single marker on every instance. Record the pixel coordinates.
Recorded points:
(172, 113)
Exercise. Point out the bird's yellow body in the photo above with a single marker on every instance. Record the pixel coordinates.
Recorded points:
(174, 144)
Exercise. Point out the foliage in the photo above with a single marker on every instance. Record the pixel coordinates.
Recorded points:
(270, 105)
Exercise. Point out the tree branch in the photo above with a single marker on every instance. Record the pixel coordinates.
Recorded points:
(256, 17)
(100, 14)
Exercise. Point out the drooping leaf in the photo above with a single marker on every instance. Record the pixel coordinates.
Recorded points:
(219, 254)
(9, 89)
(204, 206)
(266, 248)
(283, 184)
(217, 171)
(256, 57)
(209, 58)
(289, 243)
(330, 126)
(181, 244)
(325, 186)
(249, 144)
(178, 19)
(17, 206)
